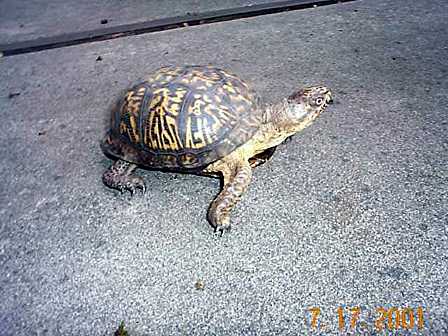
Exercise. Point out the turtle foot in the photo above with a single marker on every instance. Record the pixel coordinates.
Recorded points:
(131, 183)
(119, 177)
(220, 224)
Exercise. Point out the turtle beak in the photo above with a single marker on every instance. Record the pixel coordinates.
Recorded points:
(329, 97)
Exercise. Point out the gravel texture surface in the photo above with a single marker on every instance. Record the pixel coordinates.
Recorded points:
(351, 213)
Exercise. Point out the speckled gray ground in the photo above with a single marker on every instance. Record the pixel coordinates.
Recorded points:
(351, 212)
(22, 20)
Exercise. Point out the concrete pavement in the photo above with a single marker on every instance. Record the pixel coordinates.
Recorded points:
(30, 19)
(352, 212)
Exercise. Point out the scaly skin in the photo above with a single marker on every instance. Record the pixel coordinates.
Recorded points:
(119, 176)
(237, 174)
(281, 121)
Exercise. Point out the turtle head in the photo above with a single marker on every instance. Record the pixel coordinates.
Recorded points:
(309, 103)
(301, 108)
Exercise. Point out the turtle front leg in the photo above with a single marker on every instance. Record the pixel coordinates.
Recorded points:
(119, 176)
(236, 182)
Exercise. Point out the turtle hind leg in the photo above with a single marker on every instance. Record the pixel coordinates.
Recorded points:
(236, 182)
(119, 176)
(262, 157)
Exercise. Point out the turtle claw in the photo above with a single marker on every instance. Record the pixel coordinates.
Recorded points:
(219, 230)
(132, 191)
(131, 184)
(288, 139)
(134, 183)
(220, 225)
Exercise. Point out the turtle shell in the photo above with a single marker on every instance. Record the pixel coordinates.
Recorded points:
(182, 118)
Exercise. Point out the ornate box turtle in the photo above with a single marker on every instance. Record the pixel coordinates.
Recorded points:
(203, 120)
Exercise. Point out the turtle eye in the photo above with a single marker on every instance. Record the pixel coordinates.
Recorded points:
(319, 100)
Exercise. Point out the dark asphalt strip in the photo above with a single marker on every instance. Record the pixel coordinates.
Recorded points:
(190, 19)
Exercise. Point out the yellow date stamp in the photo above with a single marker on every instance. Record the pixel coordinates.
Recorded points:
(385, 318)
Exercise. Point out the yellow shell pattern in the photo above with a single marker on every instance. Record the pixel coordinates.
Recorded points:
(185, 117)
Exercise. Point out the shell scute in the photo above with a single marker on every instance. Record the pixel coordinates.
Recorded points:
(183, 118)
